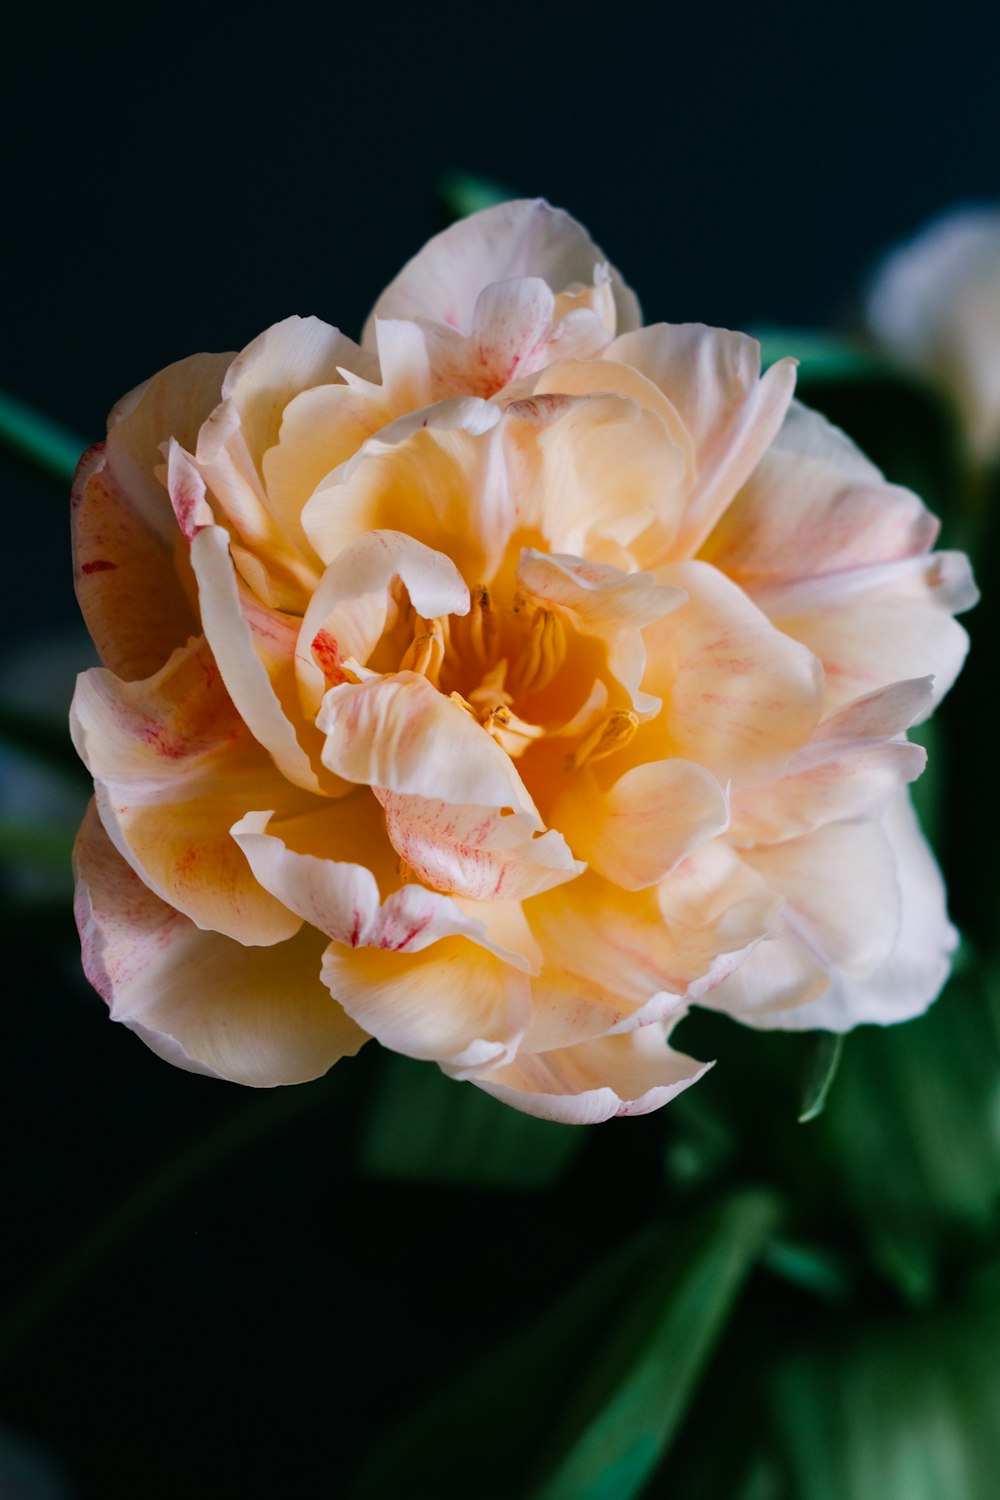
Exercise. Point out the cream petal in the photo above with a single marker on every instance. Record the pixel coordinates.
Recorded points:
(815, 506)
(842, 893)
(475, 851)
(592, 472)
(399, 733)
(776, 981)
(521, 238)
(453, 1002)
(619, 1075)
(712, 377)
(205, 1003)
(431, 475)
(174, 769)
(129, 590)
(255, 650)
(850, 768)
(876, 625)
(645, 823)
(739, 696)
(351, 603)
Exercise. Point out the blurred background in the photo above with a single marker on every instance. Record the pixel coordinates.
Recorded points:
(216, 1294)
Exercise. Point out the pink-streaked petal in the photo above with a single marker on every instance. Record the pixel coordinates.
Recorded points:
(343, 900)
(712, 377)
(881, 624)
(175, 768)
(255, 650)
(130, 591)
(616, 1075)
(399, 733)
(351, 604)
(515, 239)
(738, 696)
(645, 823)
(815, 506)
(453, 1002)
(854, 763)
(203, 1002)
(173, 404)
(475, 851)
(841, 891)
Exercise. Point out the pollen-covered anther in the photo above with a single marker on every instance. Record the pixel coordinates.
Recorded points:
(612, 734)
(483, 626)
(543, 652)
(510, 732)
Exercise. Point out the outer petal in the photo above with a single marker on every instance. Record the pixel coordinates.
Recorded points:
(850, 768)
(915, 971)
(207, 1004)
(401, 734)
(814, 505)
(174, 769)
(615, 1075)
(520, 238)
(712, 377)
(739, 696)
(882, 624)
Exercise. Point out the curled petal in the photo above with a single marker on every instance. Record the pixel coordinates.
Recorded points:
(352, 602)
(516, 239)
(399, 733)
(255, 1016)
(615, 1075)
(475, 851)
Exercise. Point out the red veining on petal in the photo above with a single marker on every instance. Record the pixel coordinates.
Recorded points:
(327, 656)
(356, 927)
(407, 938)
(99, 565)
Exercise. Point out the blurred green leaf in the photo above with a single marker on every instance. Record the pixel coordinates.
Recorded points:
(822, 1063)
(906, 1409)
(914, 1126)
(463, 193)
(429, 1128)
(44, 442)
(38, 845)
(582, 1401)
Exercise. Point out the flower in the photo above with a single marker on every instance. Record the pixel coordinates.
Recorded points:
(498, 689)
(934, 305)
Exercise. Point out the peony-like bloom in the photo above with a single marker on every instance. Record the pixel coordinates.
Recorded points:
(498, 689)
(934, 305)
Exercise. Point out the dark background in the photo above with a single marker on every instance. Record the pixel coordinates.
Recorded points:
(210, 1303)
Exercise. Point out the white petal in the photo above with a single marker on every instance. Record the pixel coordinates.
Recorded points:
(520, 238)
(621, 1075)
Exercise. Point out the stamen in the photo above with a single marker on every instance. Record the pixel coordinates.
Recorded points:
(543, 653)
(425, 653)
(483, 625)
(613, 734)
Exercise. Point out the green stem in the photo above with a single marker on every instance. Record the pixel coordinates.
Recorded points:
(44, 442)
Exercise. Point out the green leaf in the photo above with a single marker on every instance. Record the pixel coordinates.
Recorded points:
(463, 193)
(905, 1409)
(44, 442)
(914, 1130)
(429, 1128)
(36, 845)
(821, 1069)
(582, 1401)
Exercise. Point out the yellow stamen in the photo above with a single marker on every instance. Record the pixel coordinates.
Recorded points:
(611, 735)
(543, 653)
(425, 653)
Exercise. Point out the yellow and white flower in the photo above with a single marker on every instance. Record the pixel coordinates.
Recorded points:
(498, 689)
